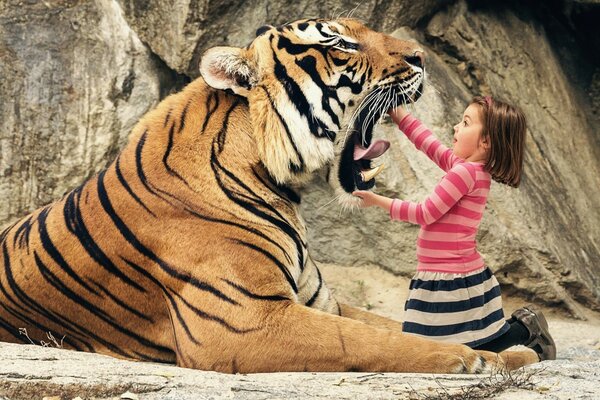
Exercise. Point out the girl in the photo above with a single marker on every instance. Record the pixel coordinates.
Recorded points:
(454, 297)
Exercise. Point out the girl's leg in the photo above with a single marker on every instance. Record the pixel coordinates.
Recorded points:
(516, 334)
(528, 327)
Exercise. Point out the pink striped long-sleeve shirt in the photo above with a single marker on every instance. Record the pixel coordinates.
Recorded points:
(450, 216)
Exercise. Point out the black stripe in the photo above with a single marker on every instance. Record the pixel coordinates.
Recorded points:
(282, 191)
(297, 97)
(24, 318)
(182, 322)
(369, 72)
(223, 132)
(452, 284)
(314, 297)
(69, 325)
(165, 159)
(22, 233)
(166, 292)
(128, 188)
(55, 254)
(453, 306)
(28, 322)
(245, 228)
(255, 296)
(67, 292)
(142, 175)
(5, 232)
(211, 317)
(163, 194)
(355, 87)
(271, 257)
(28, 301)
(54, 281)
(444, 330)
(281, 223)
(309, 65)
(296, 168)
(13, 311)
(182, 118)
(397, 71)
(138, 162)
(284, 43)
(210, 109)
(75, 224)
(303, 26)
(319, 26)
(167, 118)
(10, 329)
(143, 272)
(148, 358)
(339, 62)
(133, 241)
(121, 303)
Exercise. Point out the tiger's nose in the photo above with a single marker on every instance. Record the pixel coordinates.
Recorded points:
(417, 59)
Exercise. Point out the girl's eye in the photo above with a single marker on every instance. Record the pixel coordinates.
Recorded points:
(465, 122)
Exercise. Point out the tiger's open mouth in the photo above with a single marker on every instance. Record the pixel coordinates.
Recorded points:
(356, 170)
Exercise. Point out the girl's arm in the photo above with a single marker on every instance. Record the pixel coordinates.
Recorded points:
(423, 139)
(458, 182)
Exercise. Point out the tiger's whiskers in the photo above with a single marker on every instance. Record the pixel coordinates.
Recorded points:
(329, 202)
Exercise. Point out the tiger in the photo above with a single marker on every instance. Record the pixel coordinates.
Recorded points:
(189, 247)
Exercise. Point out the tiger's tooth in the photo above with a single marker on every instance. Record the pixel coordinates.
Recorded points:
(369, 174)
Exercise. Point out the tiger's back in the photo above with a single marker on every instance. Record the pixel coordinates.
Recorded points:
(101, 266)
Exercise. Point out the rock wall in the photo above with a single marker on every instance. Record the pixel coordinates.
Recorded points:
(76, 76)
(74, 80)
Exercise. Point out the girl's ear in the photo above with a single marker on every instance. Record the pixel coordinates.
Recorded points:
(228, 68)
(485, 142)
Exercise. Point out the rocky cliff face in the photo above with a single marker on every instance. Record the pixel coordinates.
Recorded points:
(76, 76)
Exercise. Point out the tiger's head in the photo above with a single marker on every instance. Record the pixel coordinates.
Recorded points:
(316, 89)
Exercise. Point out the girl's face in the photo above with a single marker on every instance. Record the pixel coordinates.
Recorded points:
(468, 143)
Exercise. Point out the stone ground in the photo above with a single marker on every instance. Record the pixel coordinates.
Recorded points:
(35, 372)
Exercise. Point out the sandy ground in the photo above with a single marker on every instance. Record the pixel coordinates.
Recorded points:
(372, 288)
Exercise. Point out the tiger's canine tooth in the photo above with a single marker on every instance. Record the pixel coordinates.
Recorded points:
(369, 174)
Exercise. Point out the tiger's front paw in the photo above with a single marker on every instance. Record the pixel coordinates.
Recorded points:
(464, 360)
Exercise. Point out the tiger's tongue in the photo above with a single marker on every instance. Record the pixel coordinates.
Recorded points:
(377, 148)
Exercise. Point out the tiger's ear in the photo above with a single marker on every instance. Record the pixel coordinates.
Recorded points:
(228, 68)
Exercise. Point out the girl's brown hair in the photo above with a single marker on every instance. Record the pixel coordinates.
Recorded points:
(504, 128)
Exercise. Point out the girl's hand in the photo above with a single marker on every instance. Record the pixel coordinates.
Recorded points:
(370, 199)
(397, 114)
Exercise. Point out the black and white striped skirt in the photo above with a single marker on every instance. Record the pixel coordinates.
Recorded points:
(456, 308)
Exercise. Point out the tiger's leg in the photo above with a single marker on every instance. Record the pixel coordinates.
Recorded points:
(292, 337)
(512, 359)
(370, 318)
(519, 358)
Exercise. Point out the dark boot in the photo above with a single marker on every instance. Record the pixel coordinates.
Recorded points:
(540, 339)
